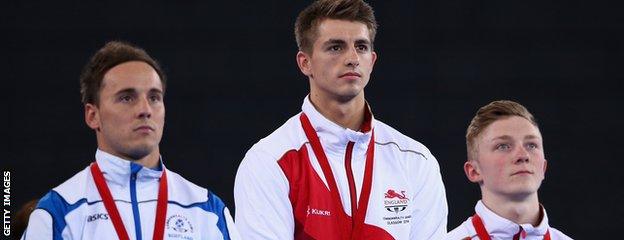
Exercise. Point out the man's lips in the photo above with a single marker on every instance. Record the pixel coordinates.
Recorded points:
(351, 75)
(522, 172)
(144, 128)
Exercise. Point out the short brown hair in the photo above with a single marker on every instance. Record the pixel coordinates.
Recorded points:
(109, 56)
(20, 220)
(352, 10)
(490, 113)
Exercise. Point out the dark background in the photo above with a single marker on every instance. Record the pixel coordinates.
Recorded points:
(233, 80)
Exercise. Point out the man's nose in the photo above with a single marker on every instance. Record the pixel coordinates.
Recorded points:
(144, 108)
(353, 58)
(522, 155)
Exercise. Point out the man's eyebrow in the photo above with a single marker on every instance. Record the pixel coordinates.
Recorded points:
(507, 137)
(531, 137)
(362, 41)
(126, 91)
(503, 137)
(156, 90)
(334, 41)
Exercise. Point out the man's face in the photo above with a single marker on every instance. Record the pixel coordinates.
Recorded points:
(341, 60)
(130, 117)
(510, 158)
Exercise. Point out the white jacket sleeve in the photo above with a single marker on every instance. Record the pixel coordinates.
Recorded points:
(429, 219)
(263, 208)
(39, 226)
(232, 230)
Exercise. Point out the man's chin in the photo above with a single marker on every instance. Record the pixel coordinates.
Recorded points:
(521, 193)
(139, 152)
(346, 96)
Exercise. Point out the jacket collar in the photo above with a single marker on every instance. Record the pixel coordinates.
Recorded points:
(118, 170)
(333, 136)
(502, 228)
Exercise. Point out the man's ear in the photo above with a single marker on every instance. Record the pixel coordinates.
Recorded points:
(303, 61)
(471, 168)
(545, 166)
(92, 116)
(374, 54)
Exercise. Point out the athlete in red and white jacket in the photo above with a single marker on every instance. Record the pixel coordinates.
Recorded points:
(333, 171)
(506, 158)
(283, 191)
(501, 228)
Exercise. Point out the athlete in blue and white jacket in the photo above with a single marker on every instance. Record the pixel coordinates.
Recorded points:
(127, 192)
(74, 209)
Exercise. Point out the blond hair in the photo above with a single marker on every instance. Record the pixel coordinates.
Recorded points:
(490, 113)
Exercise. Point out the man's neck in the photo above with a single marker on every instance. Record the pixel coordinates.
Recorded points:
(347, 114)
(149, 161)
(518, 210)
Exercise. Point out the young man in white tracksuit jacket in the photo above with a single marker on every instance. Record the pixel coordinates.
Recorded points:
(506, 159)
(333, 171)
(127, 192)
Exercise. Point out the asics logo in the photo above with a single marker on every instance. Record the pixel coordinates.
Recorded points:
(100, 216)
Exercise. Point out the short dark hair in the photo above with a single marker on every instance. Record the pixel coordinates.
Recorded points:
(109, 56)
(306, 26)
(489, 114)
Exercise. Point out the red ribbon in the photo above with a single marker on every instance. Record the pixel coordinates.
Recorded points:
(111, 208)
(359, 214)
(483, 233)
